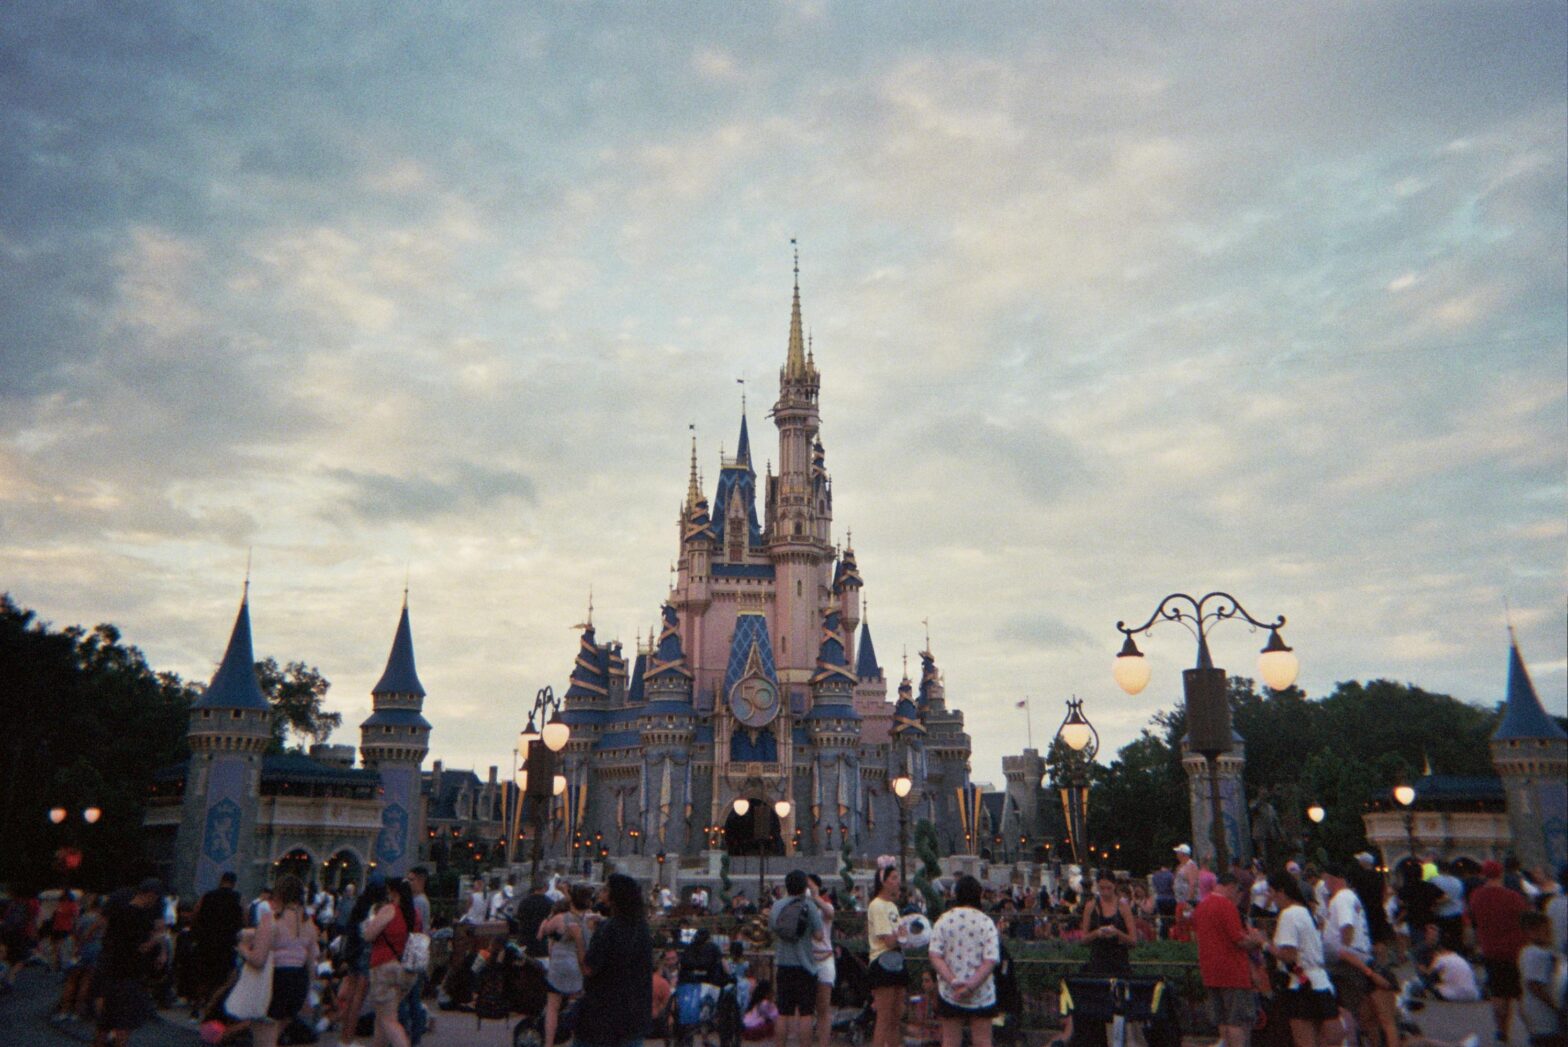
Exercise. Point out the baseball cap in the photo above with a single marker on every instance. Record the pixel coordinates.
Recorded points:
(1366, 858)
(1182, 848)
(1491, 869)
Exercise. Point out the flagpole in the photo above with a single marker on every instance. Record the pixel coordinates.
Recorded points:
(1029, 719)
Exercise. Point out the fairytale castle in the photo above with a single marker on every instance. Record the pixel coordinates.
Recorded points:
(760, 681)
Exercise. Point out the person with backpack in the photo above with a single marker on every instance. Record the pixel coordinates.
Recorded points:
(795, 920)
(392, 919)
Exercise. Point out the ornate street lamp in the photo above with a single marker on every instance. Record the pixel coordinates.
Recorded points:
(1080, 737)
(902, 785)
(539, 780)
(1208, 705)
(1405, 796)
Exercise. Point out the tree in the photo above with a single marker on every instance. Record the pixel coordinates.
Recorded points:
(296, 693)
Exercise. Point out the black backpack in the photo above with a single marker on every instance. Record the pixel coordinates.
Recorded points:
(795, 928)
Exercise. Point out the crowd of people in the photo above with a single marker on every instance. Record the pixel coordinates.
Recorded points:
(1312, 950)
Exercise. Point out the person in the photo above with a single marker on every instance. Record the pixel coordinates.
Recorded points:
(887, 976)
(1449, 910)
(1107, 927)
(1185, 887)
(1225, 951)
(794, 966)
(1541, 1009)
(567, 935)
(478, 903)
(531, 912)
(59, 927)
(1449, 975)
(354, 909)
(260, 903)
(965, 948)
(289, 937)
(500, 897)
(412, 1013)
(761, 1018)
(322, 907)
(662, 992)
(827, 966)
(392, 919)
(1557, 911)
(617, 973)
(216, 926)
(131, 932)
(1308, 1000)
(19, 935)
(77, 989)
(1365, 992)
(1369, 886)
(1163, 886)
(923, 1025)
(1495, 912)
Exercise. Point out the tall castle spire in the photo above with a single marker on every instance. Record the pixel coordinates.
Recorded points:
(795, 363)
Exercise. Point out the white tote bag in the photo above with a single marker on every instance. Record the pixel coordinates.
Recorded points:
(252, 992)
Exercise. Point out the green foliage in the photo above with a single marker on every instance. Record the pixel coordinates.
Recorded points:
(726, 885)
(930, 867)
(296, 693)
(87, 722)
(846, 869)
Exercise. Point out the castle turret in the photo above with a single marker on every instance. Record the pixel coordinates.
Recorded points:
(230, 727)
(393, 742)
(1530, 752)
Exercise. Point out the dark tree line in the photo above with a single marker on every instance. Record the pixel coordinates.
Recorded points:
(86, 724)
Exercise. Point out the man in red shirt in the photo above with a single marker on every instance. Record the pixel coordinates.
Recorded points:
(1225, 962)
(1495, 912)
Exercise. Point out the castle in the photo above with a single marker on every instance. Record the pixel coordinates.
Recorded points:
(760, 682)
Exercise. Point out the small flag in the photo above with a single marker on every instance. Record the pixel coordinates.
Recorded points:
(1022, 704)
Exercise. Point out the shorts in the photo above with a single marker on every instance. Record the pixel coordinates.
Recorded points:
(1350, 985)
(126, 1004)
(879, 977)
(290, 986)
(1502, 979)
(827, 970)
(796, 991)
(1309, 1005)
(389, 983)
(947, 1009)
(1235, 1007)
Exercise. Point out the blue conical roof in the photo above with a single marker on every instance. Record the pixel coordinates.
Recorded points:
(399, 676)
(866, 666)
(743, 449)
(234, 685)
(1523, 716)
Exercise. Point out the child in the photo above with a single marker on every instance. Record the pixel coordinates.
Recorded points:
(760, 1019)
(922, 1027)
(1449, 975)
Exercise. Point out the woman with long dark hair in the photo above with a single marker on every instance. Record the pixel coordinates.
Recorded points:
(617, 1003)
(887, 974)
(392, 919)
(965, 949)
(1308, 1001)
(355, 954)
(1109, 928)
(288, 935)
(567, 932)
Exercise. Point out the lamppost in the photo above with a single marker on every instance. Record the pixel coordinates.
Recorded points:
(901, 789)
(68, 857)
(1208, 705)
(540, 744)
(1080, 737)
(1405, 796)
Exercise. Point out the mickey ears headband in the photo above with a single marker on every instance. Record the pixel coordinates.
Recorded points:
(886, 861)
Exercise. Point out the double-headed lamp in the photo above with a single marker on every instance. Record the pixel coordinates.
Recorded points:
(902, 785)
(782, 809)
(91, 815)
(556, 734)
(1132, 668)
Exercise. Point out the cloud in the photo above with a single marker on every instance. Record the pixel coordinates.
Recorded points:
(380, 497)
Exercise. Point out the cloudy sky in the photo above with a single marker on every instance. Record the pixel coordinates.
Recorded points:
(1109, 301)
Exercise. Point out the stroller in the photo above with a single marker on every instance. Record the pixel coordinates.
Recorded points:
(530, 1031)
(853, 1016)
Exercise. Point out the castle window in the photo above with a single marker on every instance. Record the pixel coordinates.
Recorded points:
(237, 715)
(797, 581)
(206, 714)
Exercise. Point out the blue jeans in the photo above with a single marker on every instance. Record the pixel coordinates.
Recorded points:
(411, 1012)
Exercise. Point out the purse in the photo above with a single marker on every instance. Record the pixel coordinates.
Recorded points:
(891, 962)
(252, 992)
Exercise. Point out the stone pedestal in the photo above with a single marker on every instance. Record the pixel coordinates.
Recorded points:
(1233, 803)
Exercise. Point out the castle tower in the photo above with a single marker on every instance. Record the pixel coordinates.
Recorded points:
(230, 728)
(667, 732)
(1021, 814)
(393, 742)
(1233, 803)
(798, 516)
(876, 716)
(1530, 752)
(833, 793)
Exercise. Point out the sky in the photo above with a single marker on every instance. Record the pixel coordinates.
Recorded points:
(1109, 301)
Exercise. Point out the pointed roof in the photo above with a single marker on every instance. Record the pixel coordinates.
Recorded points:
(234, 685)
(590, 673)
(866, 666)
(832, 661)
(743, 448)
(667, 657)
(399, 677)
(795, 365)
(750, 650)
(847, 574)
(1523, 716)
(929, 677)
(693, 485)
